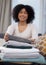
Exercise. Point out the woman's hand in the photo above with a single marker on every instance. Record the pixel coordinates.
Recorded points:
(32, 40)
(6, 37)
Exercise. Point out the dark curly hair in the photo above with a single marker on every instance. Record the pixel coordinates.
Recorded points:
(29, 10)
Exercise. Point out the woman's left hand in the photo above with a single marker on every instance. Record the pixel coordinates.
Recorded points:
(32, 40)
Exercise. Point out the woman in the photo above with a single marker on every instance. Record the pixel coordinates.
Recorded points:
(23, 16)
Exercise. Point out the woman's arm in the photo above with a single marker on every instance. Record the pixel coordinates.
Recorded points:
(6, 37)
(34, 35)
(9, 31)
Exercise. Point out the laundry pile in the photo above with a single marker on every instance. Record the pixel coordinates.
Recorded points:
(14, 49)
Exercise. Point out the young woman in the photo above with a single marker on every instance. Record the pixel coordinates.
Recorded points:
(23, 27)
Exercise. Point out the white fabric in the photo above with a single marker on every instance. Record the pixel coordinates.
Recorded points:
(19, 53)
(2, 41)
(15, 50)
(29, 55)
(17, 43)
(28, 33)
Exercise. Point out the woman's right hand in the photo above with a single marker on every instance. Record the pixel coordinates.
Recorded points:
(6, 37)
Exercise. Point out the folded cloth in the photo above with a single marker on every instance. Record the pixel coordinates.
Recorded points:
(39, 60)
(17, 43)
(15, 38)
(20, 55)
(15, 50)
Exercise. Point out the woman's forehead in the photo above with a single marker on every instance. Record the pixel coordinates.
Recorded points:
(23, 9)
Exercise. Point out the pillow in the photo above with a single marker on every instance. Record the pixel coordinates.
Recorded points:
(41, 45)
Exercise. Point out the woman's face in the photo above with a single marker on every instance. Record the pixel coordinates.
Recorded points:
(23, 15)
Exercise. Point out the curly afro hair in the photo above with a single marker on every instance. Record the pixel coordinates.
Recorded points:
(29, 9)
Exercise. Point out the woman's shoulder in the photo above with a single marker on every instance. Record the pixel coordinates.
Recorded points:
(13, 24)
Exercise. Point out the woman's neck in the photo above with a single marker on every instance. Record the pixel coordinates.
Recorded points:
(22, 23)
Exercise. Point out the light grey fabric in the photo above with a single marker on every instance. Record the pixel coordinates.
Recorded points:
(15, 38)
(5, 14)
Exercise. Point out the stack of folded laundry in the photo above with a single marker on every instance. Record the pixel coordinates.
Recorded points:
(21, 53)
(12, 51)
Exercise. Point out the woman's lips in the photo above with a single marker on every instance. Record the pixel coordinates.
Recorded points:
(22, 17)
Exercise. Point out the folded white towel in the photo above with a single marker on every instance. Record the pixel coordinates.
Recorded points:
(19, 53)
(15, 50)
(28, 55)
(16, 43)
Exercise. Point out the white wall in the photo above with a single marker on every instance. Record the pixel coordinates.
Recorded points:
(35, 4)
(42, 25)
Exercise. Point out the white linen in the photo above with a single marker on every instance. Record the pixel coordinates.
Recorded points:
(19, 53)
(16, 43)
(25, 55)
(14, 50)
